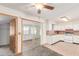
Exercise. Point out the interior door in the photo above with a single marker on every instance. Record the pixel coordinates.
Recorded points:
(12, 35)
(16, 36)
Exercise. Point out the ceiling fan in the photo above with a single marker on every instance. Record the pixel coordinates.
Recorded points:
(40, 6)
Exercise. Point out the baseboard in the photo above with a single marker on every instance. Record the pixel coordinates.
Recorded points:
(4, 45)
(18, 54)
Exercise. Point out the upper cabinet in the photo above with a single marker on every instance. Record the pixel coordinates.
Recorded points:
(64, 26)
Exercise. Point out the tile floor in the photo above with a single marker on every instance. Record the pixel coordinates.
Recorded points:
(40, 51)
(30, 44)
(30, 48)
(5, 51)
(33, 48)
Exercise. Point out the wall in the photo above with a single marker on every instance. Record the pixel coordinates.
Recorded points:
(49, 24)
(4, 34)
(18, 36)
(43, 33)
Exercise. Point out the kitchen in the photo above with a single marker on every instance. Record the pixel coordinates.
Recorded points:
(64, 38)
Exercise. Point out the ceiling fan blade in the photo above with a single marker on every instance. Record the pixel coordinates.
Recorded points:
(48, 7)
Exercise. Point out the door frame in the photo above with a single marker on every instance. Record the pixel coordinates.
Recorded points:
(23, 31)
(14, 17)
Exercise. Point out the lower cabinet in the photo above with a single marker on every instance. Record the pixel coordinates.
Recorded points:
(76, 39)
(52, 39)
(65, 38)
(68, 39)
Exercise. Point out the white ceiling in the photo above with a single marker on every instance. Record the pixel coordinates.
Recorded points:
(61, 9)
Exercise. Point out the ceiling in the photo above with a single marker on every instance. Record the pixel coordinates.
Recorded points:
(61, 9)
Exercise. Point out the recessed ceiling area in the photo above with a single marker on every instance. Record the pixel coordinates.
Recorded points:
(61, 9)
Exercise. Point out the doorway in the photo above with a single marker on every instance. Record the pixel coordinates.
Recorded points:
(10, 36)
(5, 35)
(31, 35)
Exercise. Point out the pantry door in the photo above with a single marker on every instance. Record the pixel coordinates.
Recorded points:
(16, 36)
(13, 35)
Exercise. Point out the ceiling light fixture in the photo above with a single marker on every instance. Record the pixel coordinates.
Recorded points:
(64, 18)
(39, 5)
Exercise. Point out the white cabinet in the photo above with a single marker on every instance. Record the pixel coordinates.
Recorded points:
(49, 39)
(68, 38)
(58, 27)
(53, 39)
(76, 27)
(76, 39)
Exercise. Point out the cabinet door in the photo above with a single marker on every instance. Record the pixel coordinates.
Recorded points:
(68, 39)
(76, 39)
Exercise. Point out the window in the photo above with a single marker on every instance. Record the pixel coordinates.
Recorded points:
(26, 30)
(30, 30)
(33, 30)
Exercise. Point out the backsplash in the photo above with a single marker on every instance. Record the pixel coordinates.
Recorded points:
(66, 32)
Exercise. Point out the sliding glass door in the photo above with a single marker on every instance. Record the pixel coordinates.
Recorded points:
(31, 31)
